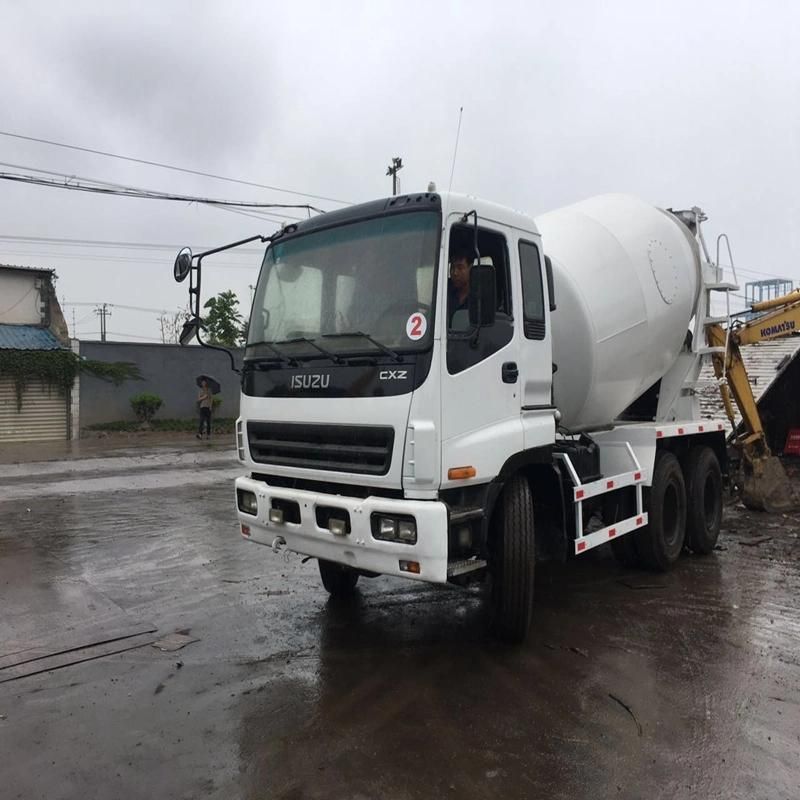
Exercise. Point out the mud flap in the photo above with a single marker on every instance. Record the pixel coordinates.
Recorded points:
(766, 486)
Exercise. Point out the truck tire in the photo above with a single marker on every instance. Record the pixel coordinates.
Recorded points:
(339, 580)
(512, 562)
(703, 478)
(660, 543)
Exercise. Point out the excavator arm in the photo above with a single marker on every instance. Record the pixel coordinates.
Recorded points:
(765, 484)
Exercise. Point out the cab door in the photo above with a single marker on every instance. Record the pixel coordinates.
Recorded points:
(481, 424)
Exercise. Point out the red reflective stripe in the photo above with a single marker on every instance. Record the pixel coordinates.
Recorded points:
(719, 426)
(612, 532)
(609, 484)
(637, 476)
(700, 429)
(680, 431)
(639, 520)
(579, 494)
(581, 546)
(659, 434)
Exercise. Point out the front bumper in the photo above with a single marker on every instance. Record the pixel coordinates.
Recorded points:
(357, 549)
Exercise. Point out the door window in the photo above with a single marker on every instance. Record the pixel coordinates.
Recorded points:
(466, 345)
(532, 291)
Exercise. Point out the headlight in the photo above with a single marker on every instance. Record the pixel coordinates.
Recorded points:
(407, 531)
(394, 529)
(247, 502)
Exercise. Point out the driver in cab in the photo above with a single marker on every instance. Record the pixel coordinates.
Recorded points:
(458, 285)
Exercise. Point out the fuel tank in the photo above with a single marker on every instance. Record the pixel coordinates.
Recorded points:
(627, 281)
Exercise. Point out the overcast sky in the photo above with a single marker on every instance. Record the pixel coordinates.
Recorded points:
(682, 103)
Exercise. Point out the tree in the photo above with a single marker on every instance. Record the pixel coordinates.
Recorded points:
(223, 322)
(172, 325)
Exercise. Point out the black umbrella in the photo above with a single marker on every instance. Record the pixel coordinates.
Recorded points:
(213, 383)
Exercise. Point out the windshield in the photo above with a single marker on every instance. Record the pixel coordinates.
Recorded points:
(373, 279)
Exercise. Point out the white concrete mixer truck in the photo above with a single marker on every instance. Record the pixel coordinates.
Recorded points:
(401, 417)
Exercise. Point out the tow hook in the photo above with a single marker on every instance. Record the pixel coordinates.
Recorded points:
(277, 543)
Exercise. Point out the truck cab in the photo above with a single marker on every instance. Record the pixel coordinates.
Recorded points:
(377, 420)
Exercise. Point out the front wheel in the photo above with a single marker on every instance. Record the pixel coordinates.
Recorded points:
(512, 562)
(339, 580)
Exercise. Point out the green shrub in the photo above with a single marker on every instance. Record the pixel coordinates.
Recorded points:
(216, 402)
(145, 405)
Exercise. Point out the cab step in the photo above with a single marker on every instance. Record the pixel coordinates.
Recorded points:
(466, 565)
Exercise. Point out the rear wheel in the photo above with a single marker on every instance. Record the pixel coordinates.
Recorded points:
(703, 478)
(512, 562)
(659, 544)
(339, 580)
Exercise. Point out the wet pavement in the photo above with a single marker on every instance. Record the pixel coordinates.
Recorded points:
(633, 685)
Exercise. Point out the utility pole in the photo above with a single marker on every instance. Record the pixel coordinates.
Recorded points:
(393, 169)
(103, 312)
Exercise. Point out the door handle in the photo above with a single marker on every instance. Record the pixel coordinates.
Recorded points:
(510, 372)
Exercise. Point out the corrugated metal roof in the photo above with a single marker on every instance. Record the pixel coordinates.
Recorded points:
(764, 362)
(28, 337)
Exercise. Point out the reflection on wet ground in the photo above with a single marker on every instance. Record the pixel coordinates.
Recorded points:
(633, 685)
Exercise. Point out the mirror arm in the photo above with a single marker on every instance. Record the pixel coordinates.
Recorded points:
(221, 350)
(195, 279)
(257, 238)
(464, 219)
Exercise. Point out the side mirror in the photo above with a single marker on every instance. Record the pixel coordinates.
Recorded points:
(190, 329)
(183, 264)
(551, 289)
(482, 295)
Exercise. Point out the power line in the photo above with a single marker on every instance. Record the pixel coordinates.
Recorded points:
(170, 167)
(67, 177)
(118, 333)
(115, 259)
(127, 308)
(144, 194)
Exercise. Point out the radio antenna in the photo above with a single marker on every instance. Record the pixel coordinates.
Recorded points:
(455, 149)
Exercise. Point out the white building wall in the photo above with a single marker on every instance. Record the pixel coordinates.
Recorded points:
(20, 298)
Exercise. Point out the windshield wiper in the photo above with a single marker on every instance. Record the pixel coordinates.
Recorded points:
(336, 359)
(282, 356)
(396, 356)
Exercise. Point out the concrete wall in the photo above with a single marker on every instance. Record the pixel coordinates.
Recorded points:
(169, 371)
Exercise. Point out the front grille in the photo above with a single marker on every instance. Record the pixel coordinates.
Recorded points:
(362, 449)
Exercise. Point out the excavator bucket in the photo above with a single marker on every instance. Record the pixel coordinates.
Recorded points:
(765, 484)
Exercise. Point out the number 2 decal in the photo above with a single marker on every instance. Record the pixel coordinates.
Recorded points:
(416, 326)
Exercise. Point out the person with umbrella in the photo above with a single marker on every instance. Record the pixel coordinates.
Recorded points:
(208, 387)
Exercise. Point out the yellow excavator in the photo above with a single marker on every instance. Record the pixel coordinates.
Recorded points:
(765, 485)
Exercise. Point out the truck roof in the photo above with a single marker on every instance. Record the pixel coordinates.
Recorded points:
(449, 202)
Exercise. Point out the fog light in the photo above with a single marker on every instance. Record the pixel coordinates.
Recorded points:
(409, 566)
(245, 530)
(276, 516)
(247, 502)
(338, 527)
